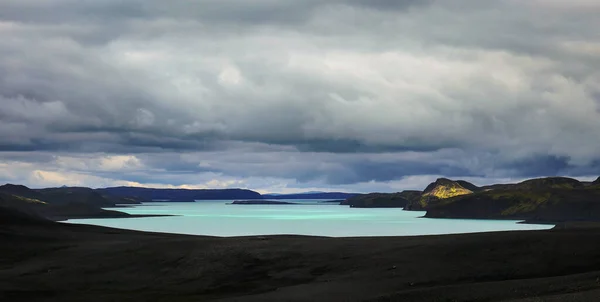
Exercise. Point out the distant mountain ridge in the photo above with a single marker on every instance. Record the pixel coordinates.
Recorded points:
(311, 195)
(153, 194)
(150, 194)
(550, 199)
(64, 202)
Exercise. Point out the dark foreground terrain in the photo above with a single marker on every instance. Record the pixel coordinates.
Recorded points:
(48, 261)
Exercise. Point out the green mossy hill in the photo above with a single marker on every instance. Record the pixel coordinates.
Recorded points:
(442, 188)
(543, 200)
(376, 200)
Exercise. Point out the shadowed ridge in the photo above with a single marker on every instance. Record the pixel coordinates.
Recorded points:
(11, 216)
(56, 203)
(539, 183)
(383, 200)
(31, 206)
(20, 190)
(75, 194)
(150, 194)
(376, 200)
(13, 188)
(550, 183)
(469, 186)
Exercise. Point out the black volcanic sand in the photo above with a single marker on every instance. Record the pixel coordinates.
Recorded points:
(47, 261)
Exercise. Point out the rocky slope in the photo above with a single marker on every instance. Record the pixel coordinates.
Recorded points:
(442, 188)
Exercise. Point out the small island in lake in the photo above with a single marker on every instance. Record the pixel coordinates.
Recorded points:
(260, 201)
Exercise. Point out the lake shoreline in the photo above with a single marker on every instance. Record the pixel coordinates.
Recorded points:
(315, 219)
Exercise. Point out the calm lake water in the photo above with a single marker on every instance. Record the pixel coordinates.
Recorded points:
(217, 218)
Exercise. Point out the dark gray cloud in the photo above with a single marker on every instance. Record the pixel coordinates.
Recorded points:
(502, 89)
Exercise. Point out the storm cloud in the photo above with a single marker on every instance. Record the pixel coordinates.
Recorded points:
(290, 95)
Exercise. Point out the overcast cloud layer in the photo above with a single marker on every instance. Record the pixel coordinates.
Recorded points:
(290, 95)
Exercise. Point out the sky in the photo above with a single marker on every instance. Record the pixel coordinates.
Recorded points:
(297, 95)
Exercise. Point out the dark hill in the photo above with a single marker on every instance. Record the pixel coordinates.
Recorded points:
(595, 183)
(20, 190)
(74, 194)
(376, 200)
(59, 203)
(65, 209)
(59, 195)
(22, 204)
(150, 194)
(11, 216)
(382, 200)
(411, 195)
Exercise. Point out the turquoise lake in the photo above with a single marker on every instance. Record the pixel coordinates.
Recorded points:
(217, 218)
